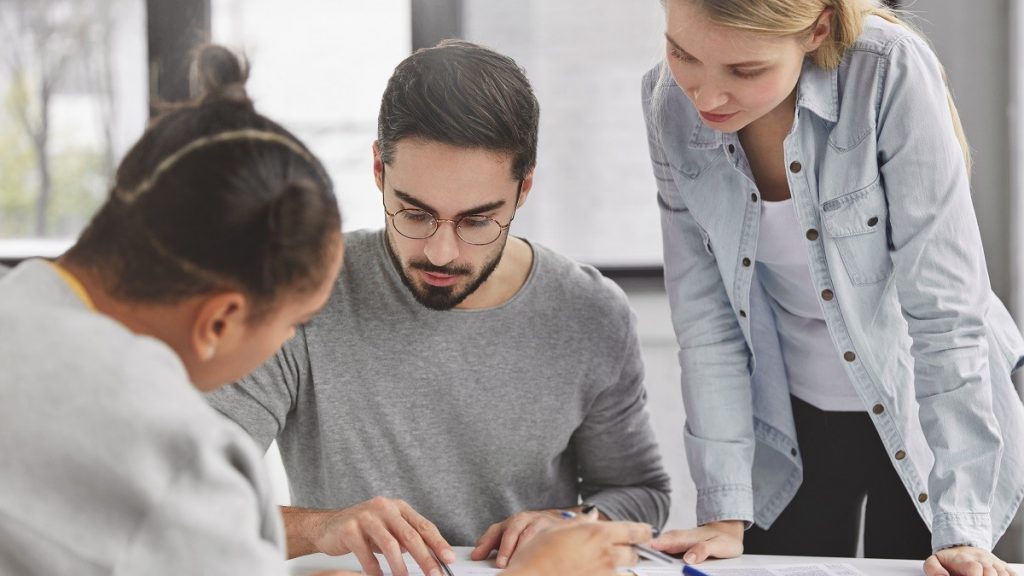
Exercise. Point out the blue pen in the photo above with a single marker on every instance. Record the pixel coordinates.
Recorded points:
(662, 558)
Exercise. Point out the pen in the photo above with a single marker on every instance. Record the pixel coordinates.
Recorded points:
(662, 558)
(655, 555)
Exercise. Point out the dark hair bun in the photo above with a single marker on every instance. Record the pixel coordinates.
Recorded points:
(218, 74)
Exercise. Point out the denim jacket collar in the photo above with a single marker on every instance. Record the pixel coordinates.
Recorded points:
(818, 91)
(704, 137)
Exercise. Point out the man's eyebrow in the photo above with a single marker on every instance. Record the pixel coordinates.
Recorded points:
(408, 199)
(747, 64)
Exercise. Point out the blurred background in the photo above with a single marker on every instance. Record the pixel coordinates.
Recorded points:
(80, 78)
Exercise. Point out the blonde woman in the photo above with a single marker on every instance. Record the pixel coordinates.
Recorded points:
(839, 338)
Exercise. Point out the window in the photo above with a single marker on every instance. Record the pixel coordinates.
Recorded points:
(72, 99)
(319, 68)
(594, 193)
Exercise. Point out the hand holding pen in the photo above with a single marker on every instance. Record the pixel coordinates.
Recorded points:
(507, 536)
(666, 560)
(580, 548)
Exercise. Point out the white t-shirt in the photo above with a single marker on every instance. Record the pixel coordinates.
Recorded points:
(813, 365)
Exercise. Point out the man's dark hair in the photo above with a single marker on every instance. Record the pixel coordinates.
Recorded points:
(464, 95)
(214, 196)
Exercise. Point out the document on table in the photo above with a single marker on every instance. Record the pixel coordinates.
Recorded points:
(780, 570)
(654, 570)
(457, 570)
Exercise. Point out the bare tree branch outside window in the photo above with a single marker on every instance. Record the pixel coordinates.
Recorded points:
(57, 113)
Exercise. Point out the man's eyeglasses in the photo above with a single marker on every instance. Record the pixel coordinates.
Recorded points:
(473, 229)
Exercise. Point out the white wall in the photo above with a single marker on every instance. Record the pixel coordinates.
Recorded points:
(972, 41)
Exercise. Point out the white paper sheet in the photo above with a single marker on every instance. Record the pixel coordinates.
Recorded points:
(780, 570)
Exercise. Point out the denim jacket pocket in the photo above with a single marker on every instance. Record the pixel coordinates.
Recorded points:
(858, 223)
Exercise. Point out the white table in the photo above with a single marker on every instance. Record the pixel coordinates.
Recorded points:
(872, 567)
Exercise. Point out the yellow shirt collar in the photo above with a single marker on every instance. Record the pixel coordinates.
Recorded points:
(74, 284)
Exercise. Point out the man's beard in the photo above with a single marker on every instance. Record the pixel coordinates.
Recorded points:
(442, 297)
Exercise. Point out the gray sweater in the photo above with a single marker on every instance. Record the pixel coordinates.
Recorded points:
(110, 461)
(468, 415)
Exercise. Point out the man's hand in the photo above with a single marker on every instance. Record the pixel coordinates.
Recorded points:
(580, 548)
(379, 525)
(965, 561)
(517, 530)
(712, 540)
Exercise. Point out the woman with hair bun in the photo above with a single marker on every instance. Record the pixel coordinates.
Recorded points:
(220, 235)
(839, 339)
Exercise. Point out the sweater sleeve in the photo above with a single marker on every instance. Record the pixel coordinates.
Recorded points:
(262, 401)
(619, 462)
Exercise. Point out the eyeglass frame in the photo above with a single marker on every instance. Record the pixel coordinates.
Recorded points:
(455, 223)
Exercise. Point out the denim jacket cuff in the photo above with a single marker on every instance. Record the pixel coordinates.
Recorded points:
(962, 529)
(727, 502)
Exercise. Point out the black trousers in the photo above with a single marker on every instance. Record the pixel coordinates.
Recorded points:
(844, 463)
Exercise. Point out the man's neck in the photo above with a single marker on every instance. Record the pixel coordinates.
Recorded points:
(512, 272)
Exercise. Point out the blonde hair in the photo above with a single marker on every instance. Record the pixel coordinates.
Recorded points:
(797, 17)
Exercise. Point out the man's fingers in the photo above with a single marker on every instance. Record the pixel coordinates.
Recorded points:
(410, 540)
(489, 541)
(509, 541)
(530, 531)
(367, 560)
(428, 532)
(382, 538)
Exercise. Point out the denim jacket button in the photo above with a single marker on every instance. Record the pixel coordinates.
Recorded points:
(900, 454)
(753, 197)
(922, 497)
(732, 149)
(878, 409)
(873, 221)
(743, 313)
(827, 295)
(746, 262)
(812, 234)
(792, 452)
(795, 167)
(849, 356)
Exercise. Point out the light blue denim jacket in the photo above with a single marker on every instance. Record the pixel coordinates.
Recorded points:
(880, 188)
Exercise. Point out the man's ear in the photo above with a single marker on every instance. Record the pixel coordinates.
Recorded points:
(378, 167)
(219, 324)
(525, 190)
